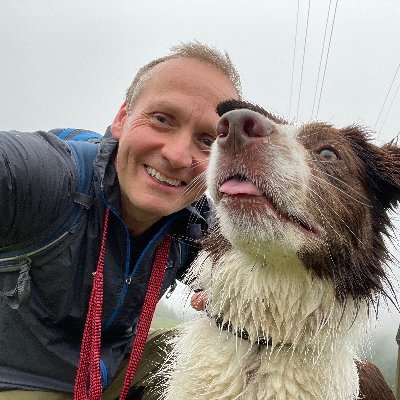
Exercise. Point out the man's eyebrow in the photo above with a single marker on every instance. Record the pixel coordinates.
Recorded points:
(167, 105)
(175, 110)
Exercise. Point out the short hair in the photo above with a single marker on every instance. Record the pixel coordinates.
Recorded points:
(195, 50)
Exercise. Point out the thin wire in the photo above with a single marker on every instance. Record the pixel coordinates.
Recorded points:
(394, 97)
(320, 60)
(387, 95)
(302, 64)
(326, 60)
(294, 58)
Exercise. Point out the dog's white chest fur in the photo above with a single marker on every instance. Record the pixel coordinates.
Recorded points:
(312, 354)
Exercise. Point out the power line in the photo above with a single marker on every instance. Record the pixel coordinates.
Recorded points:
(304, 53)
(326, 60)
(387, 95)
(320, 60)
(294, 58)
(390, 107)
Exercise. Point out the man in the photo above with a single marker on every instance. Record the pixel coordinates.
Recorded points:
(148, 174)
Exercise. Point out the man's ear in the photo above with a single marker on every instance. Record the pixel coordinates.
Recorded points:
(119, 121)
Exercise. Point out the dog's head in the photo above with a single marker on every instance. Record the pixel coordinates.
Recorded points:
(316, 191)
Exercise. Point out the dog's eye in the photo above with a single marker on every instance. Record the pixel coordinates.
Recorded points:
(328, 154)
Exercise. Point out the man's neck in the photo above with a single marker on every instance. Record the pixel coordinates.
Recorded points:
(137, 226)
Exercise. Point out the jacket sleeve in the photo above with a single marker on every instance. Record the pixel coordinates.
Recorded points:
(37, 183)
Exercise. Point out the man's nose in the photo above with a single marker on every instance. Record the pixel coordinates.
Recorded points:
(178, 150)
(240, 128)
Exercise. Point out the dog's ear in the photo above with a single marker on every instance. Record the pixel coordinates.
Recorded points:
(388, 166)
(382, 165)
(230, 105)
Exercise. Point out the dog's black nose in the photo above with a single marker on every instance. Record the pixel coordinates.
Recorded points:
(239, 128)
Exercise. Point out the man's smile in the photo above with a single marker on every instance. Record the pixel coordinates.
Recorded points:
(162, 178)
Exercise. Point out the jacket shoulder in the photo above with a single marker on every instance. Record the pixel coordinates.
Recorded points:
(37, 183)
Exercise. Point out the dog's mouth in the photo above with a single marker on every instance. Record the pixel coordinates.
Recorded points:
(241, 188)
(237, 185)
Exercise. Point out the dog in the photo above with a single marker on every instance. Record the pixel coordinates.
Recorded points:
(295, 265)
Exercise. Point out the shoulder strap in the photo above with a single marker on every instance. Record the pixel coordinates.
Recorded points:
(82, 135)
(81, 143)
(84, 154)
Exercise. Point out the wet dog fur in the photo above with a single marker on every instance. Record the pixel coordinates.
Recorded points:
(295, 266)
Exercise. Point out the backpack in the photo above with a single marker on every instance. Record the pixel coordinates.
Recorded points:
(16, 260)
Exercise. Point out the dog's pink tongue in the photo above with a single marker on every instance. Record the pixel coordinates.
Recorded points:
(234, 186)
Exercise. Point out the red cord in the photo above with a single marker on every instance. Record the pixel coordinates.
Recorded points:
(89, 374)
(89, 362)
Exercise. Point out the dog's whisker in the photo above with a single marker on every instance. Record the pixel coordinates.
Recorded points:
(341, 219)
(197, 164)
(324, 182)
(196, 184)
(324, 219)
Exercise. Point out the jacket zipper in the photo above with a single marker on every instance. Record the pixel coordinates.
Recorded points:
(129, 277)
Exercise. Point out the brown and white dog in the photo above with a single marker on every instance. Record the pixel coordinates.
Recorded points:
(295, 265)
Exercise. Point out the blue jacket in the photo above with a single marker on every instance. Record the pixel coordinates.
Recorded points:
(40, 340)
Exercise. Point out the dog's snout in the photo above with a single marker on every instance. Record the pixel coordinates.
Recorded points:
(239, 128)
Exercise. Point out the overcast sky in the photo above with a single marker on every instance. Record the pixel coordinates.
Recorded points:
(67, 63)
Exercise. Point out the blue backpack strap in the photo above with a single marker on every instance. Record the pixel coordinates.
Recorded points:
(81, 143)
(81, 135)
(84, 154)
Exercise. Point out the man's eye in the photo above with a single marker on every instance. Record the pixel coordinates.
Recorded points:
(161, 118)
(207, 140)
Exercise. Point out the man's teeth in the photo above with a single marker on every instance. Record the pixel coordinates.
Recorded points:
(162, 178)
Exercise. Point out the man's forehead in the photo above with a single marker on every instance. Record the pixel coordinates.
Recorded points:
(172, 64)
(183, 71)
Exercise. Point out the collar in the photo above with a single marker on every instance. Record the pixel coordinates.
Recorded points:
(241, 333)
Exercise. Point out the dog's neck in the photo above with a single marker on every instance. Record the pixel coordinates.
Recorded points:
(243, 334)
(281, 302)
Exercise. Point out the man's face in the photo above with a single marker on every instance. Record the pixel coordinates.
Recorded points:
(164, 142)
